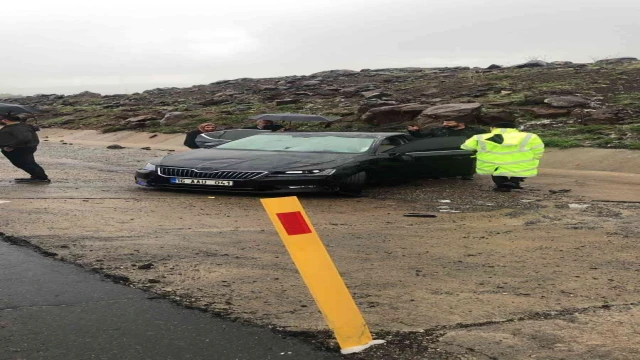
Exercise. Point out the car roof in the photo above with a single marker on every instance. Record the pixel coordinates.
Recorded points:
(365, 135)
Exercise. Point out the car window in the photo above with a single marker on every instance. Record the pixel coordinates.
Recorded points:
(239, 134)
(212, 135)
(312, 143)
(432, 144)
(390, 143)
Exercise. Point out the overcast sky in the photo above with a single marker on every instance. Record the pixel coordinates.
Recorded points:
(124, 46)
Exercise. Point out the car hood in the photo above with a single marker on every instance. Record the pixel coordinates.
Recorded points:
(240, 160)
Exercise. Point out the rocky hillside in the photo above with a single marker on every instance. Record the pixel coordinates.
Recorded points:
(569, 104)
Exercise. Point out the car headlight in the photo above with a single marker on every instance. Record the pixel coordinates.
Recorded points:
(316, 172)
(150, 167)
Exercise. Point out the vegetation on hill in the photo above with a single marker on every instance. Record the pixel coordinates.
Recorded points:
(568, 104)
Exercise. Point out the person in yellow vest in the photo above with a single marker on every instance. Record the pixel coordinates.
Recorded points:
(507, 154)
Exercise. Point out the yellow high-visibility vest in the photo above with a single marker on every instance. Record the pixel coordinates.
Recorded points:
(515, 154)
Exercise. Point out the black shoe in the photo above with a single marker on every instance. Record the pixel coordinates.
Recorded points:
(501, 189)
(467, 177)
(512, 185)
(23, 179)
(36, 181)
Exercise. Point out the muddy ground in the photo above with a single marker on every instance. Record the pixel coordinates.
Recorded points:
(493, 276)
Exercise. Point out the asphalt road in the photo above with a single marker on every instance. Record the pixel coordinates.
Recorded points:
(51, 310)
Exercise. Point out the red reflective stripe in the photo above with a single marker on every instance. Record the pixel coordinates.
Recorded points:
(294, 223)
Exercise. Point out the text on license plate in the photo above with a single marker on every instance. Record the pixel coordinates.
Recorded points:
(201, 182)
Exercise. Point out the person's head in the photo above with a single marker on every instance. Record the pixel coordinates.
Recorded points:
(504, 125)
(207, 127)
(263, 123)
(9, 119)
(452, 124)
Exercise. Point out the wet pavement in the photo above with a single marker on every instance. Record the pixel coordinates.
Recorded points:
(52, 310)
(492, 276)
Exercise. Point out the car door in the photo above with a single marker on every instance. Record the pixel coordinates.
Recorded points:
(386, 164)
(210, 139)
(437, 157)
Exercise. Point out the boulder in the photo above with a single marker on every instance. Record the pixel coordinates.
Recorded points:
(193, 107)
(494, 67)
(533, 100)
(324, 92)
(464, 112)
(546, 124)
(545, 112)
(478, 92)
(367, 87)
(532, 64)
(567, 101)
(267, 87)
(137, 125)
(619, 60)
(218, 100)
(140, 119)
(286, 102)
(88, 94)
(342, 112)
(349, 92)
(115, 147)
(335, 73)
(493, 117)
(605, 116)
(368, 105)
(227, 93)
(172, 118)
(375, 94)
(429, 92)
(393, 114)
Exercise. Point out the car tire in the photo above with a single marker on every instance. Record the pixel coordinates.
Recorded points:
(354, 184)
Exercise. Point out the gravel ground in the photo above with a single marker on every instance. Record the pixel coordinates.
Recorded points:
(487, 268)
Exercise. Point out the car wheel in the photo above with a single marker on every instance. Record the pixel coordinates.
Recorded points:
(354, 184)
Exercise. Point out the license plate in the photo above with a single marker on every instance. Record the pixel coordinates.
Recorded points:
(201, 182)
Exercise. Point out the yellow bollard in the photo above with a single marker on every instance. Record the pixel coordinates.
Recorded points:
(319, 274)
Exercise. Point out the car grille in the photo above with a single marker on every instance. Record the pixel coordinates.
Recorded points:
(223, 175)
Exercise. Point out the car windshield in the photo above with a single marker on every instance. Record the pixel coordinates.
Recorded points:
(312, 143)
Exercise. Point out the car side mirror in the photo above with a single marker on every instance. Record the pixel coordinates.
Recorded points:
(406, 157)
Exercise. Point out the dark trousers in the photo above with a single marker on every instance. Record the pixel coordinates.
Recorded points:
(22, 158)
(506, 182)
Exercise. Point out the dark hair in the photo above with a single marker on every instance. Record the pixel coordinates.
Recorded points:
(10, 117)
(505, 125)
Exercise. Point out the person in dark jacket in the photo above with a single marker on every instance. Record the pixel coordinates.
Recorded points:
(190, 139)
(266, 125)
(451, 128)
(19, 142)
